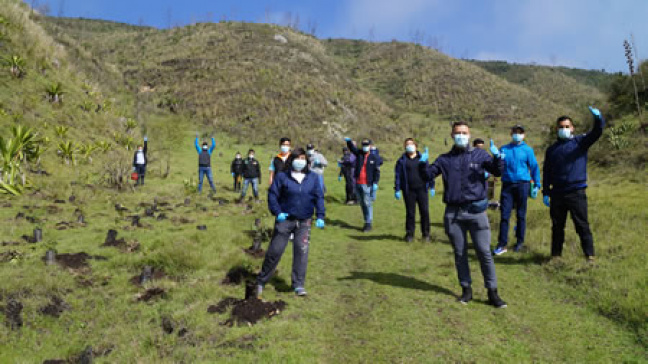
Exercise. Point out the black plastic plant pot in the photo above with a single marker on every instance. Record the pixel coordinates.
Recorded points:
(256, 246)
(146, 275)
(50, 257)
(111, 236)
(257, 223)
(38, 235)
(81, 219)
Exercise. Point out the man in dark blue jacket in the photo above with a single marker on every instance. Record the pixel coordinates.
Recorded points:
(367, 176)
(465, 197)
(293, 197)
(565, 181)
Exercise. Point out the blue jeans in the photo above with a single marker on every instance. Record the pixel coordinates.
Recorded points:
(366, 202)
(202, 172)
(255, 187)
(513, 195)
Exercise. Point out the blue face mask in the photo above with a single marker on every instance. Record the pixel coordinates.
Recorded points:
(365, 148)
(285, 148)
(517, 137)
(461, 140)
(410, 148)
(299, 165)
(564, 133)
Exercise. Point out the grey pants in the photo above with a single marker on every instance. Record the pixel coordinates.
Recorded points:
(280, 237)
(458, 222)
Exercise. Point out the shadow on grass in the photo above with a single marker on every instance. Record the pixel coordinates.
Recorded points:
(280, 284)
(524, 258)
(332, 199)
(398, 280)
(343, 224)
(369, 237)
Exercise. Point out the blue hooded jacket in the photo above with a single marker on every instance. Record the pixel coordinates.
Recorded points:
(463, 174)
(298, 200)
(520, 164)
(400, 174)
(565, 164)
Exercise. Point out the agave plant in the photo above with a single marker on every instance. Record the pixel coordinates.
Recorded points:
(20, 148)
(55, 93)
(86, 150)
(16, 65)
(61, 131)
(67, 152)
(104, 146)
(130, 124)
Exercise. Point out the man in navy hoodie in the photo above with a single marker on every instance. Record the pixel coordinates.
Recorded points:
(367, 176)
(462, 169)
(565, 181)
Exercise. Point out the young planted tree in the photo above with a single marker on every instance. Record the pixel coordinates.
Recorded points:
(55, 93)
(16, 65)
(21, 148)
(67, 152)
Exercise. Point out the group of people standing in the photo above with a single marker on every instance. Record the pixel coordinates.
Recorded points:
(297, 189)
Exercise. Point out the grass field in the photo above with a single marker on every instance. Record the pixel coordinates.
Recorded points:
(372, 297)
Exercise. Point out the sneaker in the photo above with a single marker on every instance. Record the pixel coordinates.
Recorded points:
(409, 238)
(259, 291)
(519, 248)
(426, 239)
(300, 291)
(367, 228)
(466, 295)
(500, 250)
(494, 299)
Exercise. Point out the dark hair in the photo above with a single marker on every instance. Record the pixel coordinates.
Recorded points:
(478, 141)
(283, 140)
(296, 153)
(251, 150)
(238, 152)
(366, 141)
(459, 123)
(205, 143)
(563, 118)
(410, 140)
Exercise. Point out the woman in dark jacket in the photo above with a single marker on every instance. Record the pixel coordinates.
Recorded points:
(410, 183)
(293, 197)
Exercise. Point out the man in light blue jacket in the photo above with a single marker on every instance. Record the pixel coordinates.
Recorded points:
(520, 170)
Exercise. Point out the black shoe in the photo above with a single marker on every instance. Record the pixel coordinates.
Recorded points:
(409, 238)
(494, 299)
(426, 238)
(367, 228)
(466, 295)
(519, 248)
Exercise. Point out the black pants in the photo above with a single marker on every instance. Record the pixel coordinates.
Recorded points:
(141, 174)
(237, 182)
(349, 186)
(574, 202)
(413, 197)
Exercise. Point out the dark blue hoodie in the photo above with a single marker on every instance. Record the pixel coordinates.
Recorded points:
(400, 174)
(463, 174)
(565, 164)
(299, 200)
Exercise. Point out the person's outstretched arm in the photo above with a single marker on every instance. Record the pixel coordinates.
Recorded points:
(352, 148)
(213, 145)
(597, 130)
(197, 144)
(534, 167)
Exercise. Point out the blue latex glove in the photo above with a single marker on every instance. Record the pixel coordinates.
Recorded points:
(596, 112)
(432, 192)
(397, 195)
(534, 192)
(545, 200)
(232, 174)
(486, 175)
(347, 139)
(494, 149)
(339, 178)
(340, 164)
(134, 169)
(282, 217)
(425, 156)
(145, 138)
(375, 187)
(320, 223)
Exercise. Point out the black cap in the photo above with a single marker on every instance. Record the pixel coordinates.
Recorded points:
(310, 146)
(366, 142)
(345, 149)
(517, 127)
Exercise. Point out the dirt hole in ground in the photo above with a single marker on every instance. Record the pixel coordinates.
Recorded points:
(247, 312)
(121, 244)
(76, 261)
(9, 256)
(151, 293)
(85, 357)
(12, 311)
(55, 308)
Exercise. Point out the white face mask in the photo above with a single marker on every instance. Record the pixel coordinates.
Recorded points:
(238, 157)
(517, 137)
(251, 156)
(204, 147)
(365, 148)
(461, 140)
(310, 152)
(564, 133)
(299, 164)
(410, 148)
(285, 148)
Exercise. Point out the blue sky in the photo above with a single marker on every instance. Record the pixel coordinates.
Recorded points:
(575, 33)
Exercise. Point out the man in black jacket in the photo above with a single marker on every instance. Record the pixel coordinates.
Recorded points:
(251, 175)
(367, 176)
(237, 171)
(139, 162)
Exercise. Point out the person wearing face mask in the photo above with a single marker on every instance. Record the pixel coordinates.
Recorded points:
(204, 163)
(139, 162)
(294, 196)
(278, 163)
(317, 163)
(347, 168)
(236, 169)
(375, 151)
(251, 174)
(462, 170)
(367, 176)
(410, 184)
(520, 168)
(565, 181)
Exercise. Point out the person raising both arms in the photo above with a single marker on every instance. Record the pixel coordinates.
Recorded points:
(294, 196)
(204, 163)
(565, 181)
(278, 163)
(462, 170)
